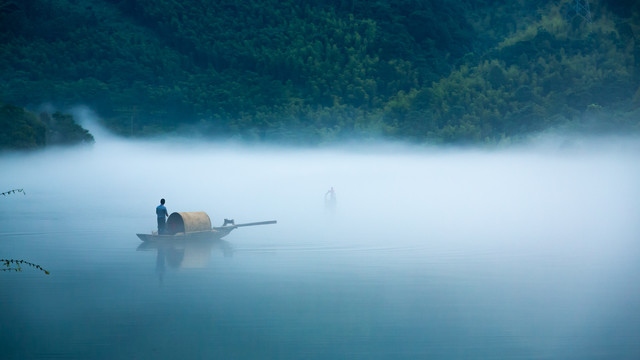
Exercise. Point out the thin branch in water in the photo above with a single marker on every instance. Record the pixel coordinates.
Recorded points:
(12, 264)
(16, 265)
(13, 191)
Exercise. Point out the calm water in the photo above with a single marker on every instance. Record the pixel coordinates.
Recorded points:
(442, 255)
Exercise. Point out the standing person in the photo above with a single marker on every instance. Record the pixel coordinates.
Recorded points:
(330, 200)
(162, 213)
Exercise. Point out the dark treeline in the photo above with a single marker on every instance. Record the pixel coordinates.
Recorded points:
(22, 129)
(313, 71)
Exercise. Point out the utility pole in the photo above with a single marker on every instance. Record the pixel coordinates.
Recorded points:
(134, 113)
(581, 7)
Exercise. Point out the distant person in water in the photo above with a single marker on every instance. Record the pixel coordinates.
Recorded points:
(162, 214)
(330, 199)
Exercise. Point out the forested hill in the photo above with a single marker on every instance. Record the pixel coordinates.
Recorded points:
(325, 70)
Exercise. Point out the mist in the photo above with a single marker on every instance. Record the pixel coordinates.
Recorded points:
(566, 187)
(549, 228)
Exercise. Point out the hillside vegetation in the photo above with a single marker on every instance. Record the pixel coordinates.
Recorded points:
(21, 129)
(319, 71)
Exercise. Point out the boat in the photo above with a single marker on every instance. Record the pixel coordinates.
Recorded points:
(194, 226)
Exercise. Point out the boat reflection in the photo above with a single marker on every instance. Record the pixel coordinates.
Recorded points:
(191, 254)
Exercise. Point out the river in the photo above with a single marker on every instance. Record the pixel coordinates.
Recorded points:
(521, 253)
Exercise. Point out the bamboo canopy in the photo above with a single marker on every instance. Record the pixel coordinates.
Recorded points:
(186, 222)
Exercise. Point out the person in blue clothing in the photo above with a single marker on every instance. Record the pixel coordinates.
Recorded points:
(162, 213)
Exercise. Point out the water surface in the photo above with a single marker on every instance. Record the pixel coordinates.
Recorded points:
(458, 254)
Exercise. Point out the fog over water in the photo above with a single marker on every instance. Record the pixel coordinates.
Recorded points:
(529, 251)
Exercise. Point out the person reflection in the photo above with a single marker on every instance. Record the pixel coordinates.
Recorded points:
(160, 267)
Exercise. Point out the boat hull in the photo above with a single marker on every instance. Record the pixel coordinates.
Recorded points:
(215, 233)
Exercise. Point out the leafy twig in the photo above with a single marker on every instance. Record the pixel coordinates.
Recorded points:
(15, 265)
(13, 192)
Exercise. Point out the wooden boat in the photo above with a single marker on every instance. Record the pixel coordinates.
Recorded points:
(195, 225)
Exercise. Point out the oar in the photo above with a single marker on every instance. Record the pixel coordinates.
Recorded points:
(257, 223)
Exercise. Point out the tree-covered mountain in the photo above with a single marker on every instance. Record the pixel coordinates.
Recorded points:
(554, 72)
(311, 71)
(23, 129)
